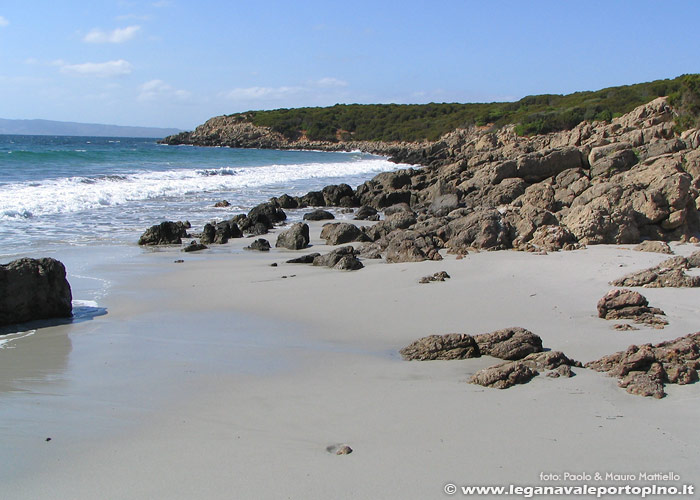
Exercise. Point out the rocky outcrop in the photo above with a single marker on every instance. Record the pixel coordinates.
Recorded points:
(645, 369)
(32, 289)
(627, 304)
(165, 233)
(505, 375)
(509, 343)
(614, 182)
(653, 246)
(444, 347)
(670, 273)
(294, 238)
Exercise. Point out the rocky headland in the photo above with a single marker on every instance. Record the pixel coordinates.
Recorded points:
(631, 179)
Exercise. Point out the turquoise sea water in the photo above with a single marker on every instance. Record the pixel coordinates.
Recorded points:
(58, 192)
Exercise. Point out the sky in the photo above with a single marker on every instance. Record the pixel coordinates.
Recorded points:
(176, 63)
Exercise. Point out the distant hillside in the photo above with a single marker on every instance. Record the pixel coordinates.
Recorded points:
(49, 127)
(533, 115)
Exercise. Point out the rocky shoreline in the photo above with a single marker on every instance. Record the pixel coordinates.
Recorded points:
(625, 181)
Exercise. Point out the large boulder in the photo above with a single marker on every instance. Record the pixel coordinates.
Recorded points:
(319, 214)
(165, 233)
(32, 289)
(271, 210)
(294, 238)
(628, 304)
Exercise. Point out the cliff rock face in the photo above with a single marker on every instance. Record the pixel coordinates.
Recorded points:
(618, 182)
(32, 289)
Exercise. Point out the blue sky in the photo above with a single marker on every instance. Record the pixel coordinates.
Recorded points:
(177, 63)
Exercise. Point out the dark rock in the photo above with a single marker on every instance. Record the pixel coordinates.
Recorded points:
(398, 208)
(261, 244)
(286, 201)
(194, 247)
(313, 199)
(32, 289)
(165, 233)
(304, 259)
(294, 238)
(341, 258)
(342, 232)
(365, 213)
(319, 214)
(222, 204)
(220, 232)
(450, 346)
(509, 343)
(333, 195)
(271, 211)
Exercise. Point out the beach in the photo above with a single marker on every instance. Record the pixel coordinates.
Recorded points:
(226, 377)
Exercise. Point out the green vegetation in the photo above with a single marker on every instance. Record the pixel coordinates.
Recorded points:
(532, 115)
(686, 102)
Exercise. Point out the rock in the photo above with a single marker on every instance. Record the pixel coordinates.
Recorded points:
(642, 384)
(165, 233)
(504, 375)
(627, 304)
(444, 347)
(670, 273)
(222, 204)
(342, 232)
(338, 195)
(480, 229)
(439, 276)
(220, 232)
(261, 245)
(294, 238)
(344, 450)
(270, 210)
(369, 251)
(653, 246)
(561, 371)
(398, 208)
(319, 214)
(366, 213)
(194, 247)
(444, 204)
(551, 239)
(286, 201)
(304, 259)
(342, 258)
(509, 343)
(397, 220)
(612, 158)
(624, 327)
(538, 166)
(645, 369)
(348, 263)
(410, 246)
(312, 199)
(32, 289)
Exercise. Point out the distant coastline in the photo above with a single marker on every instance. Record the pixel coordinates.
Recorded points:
(50, 127)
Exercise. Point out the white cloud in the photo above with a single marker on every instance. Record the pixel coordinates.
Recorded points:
(119, 35)
(331, 82)
(158, 89)
(3, 22)
(107, 69)
(249, 93)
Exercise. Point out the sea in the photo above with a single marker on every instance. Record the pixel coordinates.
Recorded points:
(58, 192)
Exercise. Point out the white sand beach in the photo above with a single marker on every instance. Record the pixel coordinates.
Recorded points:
(224, 377)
